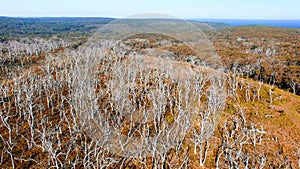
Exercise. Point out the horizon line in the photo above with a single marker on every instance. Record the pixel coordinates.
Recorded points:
(184, 18)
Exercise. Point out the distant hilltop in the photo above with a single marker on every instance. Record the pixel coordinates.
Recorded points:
(12, 27)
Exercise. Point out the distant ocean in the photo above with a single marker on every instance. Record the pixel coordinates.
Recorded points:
(241, 22)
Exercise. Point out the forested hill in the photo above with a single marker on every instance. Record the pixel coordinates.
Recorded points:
(13, 27)
(48, 26)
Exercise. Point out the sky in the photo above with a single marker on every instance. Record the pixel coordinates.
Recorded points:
(212, 9)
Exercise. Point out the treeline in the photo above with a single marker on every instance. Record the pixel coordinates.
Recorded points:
(12, 28)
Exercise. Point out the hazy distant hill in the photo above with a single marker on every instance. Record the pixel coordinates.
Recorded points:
(22, 27)
(11, 27)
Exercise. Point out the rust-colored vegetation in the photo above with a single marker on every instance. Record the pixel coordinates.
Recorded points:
(151, 106)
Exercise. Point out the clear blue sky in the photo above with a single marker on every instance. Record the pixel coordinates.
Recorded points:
(236, 9)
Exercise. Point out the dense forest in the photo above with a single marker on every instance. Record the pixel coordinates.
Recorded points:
(12, 28)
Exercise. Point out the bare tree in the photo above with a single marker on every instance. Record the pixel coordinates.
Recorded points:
(237, 133)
